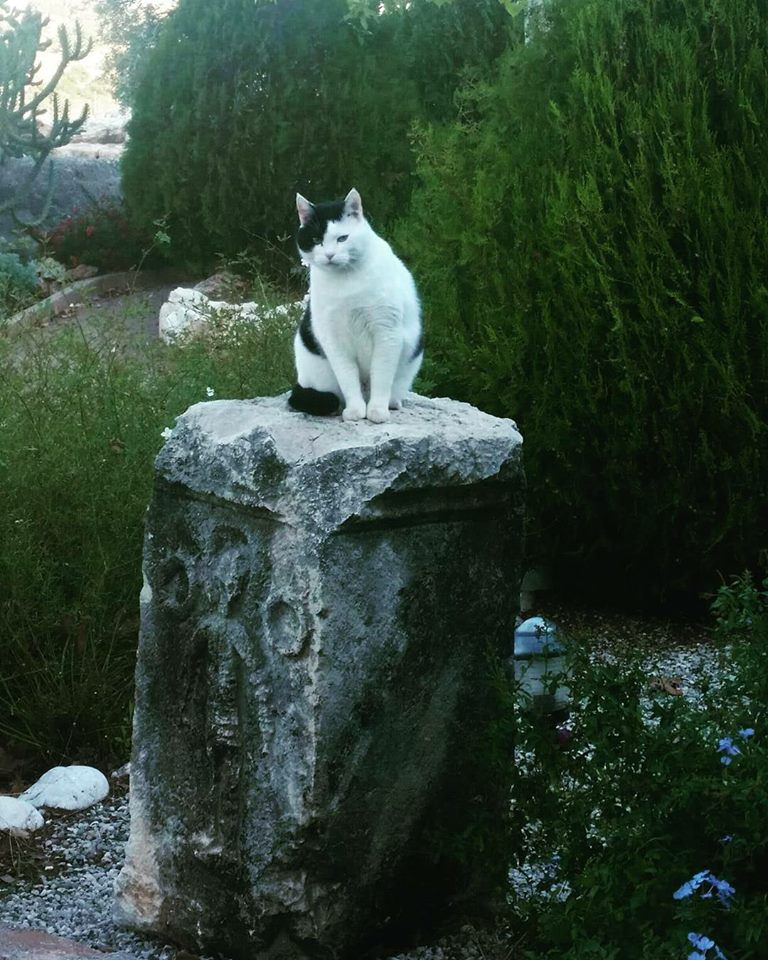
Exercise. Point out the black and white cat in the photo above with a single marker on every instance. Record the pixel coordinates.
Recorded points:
(359, 341)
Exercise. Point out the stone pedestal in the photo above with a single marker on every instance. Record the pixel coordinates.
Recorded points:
(317, 715)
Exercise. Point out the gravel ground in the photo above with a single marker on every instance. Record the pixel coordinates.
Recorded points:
(82, 854)
(79, 856)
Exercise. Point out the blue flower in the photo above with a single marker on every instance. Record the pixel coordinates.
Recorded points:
(721, 888)
(703, 945)
(700, 941)
(690, 886)
(724, 891)
(727, 838)
(746, 733)
(726, 746)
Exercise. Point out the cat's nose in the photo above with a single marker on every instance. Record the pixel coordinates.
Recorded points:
(330, 256)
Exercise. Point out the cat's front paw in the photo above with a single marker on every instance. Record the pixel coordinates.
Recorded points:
(377, 413)
(395, 404)
(354, 410)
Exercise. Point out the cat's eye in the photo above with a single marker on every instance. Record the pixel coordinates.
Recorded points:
(342, 239)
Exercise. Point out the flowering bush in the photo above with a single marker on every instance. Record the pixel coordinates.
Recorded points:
(103, 237)
(657, 812)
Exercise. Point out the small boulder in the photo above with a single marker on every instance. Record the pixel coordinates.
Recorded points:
(122, 774)
(18, 817)
(222, 286)
(83, 271)
(68, 788)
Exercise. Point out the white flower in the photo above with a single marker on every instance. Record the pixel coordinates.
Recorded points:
(210, 392)
(165, 433)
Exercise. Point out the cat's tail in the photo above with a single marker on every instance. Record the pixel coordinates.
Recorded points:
(317, 402)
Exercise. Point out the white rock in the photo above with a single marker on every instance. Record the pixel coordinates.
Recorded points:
(18, 817)
(188, 312)
(68, 788)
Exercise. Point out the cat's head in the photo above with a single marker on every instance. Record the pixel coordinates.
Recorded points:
(332, 235)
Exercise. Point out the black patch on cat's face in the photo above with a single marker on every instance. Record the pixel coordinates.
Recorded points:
(312, 232)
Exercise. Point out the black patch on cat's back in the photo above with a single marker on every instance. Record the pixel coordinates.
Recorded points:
(316, 402)
(307, 334)
(313, 231)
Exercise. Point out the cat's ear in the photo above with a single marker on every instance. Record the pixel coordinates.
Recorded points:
(353, 204)
(304, 209)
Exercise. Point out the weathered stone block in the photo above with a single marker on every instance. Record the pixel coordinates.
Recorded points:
(315, 691)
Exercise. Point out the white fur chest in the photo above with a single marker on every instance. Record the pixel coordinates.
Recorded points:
(354, 307)
(345, 317)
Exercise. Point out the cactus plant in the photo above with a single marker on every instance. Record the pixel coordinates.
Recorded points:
(23, 97)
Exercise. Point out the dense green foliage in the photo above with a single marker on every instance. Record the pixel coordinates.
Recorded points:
(243, 103)
(131, 29)
(639, 800)
(591, 242)
(81, 423)
(18, 284)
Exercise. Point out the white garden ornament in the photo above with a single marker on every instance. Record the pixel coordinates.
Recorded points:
(540, 666)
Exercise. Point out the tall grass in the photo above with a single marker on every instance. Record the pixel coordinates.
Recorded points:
(81, 417)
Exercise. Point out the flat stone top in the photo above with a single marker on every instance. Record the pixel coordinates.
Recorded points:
(301, 437)
(261, 453)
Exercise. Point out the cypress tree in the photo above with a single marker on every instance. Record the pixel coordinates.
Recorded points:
(243, 103)
(591, 243)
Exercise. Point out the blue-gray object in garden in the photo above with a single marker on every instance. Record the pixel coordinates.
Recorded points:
(539, 660)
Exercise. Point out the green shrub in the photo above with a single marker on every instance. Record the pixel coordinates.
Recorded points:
(18, 284)
(243, 103)
(81, 421)
(640, 800)
(591, 245)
